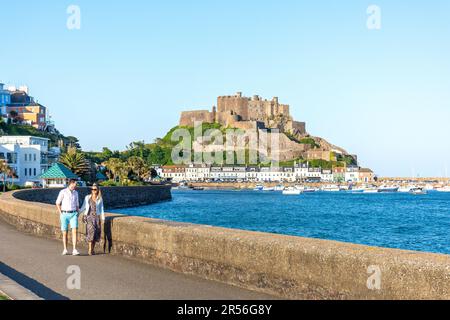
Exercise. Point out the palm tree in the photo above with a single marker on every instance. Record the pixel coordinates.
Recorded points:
(138, 167)
(75, 161)
(7, 172)
(114, 165)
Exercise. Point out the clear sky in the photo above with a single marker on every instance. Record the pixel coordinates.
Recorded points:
(135, 65)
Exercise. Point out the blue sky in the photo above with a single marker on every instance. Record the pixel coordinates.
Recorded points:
(134, 66)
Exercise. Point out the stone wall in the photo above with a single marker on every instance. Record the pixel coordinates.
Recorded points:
(113, 197)
(290, 267)
(188, 118)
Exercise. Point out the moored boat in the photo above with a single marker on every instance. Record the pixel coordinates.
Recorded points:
(291, 191)
(331, 188)
(443, 189)
(417, 191)
(387, 189)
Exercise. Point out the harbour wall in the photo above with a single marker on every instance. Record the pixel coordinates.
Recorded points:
(286, 266)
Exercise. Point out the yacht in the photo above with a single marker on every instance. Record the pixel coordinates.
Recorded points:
(417, 191)
(309, 190)
(371, 190)
(279, 187)
(387, 189)
(406, 189)
(443, 189)
(258, 187)
(291, 191)
(268, 189)
(331, 188)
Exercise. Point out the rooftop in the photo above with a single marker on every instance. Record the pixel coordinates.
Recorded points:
(58, 171)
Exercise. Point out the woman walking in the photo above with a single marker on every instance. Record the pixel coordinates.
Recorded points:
(93, 210)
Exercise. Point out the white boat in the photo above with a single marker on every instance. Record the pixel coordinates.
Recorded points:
(291, 192)
(331, 188)
(371, 190)
(387, 189)
(417, 191)
(443, 189)
(268, 189)
(258, 187)
(279, 187)
(406, 189)
(358, 189)
(309, 190)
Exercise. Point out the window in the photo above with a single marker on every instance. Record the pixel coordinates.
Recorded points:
(34, 157)
(34, 172)
(26, 172)
(26, 157)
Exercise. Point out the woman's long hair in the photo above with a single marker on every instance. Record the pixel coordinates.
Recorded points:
(99, 193)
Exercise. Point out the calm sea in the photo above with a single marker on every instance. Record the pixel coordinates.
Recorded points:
(388, 220)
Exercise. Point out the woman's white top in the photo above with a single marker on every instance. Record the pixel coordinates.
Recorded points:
(99, 207)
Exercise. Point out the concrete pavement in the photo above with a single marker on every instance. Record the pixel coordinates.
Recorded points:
(36, 264)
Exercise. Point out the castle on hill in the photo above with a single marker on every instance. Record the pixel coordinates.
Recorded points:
(246, 113)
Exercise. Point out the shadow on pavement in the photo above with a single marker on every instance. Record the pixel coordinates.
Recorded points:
(31, 284)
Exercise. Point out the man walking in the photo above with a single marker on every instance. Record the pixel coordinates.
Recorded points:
(68, 207)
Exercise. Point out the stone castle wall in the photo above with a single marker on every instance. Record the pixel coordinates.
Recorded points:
(188, 118)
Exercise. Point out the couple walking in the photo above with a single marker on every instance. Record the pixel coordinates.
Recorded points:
(68, 207)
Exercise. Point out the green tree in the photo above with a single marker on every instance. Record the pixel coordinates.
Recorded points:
(138, 166)
(75, 161)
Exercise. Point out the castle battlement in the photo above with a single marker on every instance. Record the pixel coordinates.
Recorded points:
(238, 111)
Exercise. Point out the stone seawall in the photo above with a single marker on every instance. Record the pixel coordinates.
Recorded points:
(291, 267)
(114, 197)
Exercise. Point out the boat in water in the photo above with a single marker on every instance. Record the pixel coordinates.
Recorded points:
(406, 189)
(331, 188)
(268, 189)
(387, 189)
(443, 189)
(279, 187)
(417, 191)
(291, 191)
(258, 187)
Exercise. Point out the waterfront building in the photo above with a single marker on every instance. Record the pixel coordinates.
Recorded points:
(366, 175)
(327, 175)
(175, 173)
(352, 174)
(57, 176)
(5, 99)
(339, 174)
(314, 174)
(251, 173)
(301, 171)
(197, 172)
(26, 155)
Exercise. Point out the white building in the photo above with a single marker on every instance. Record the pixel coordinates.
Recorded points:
(301, 171)
(327, 175)
(352, 174)
(197, 172)
(26, 155)
(174, 173)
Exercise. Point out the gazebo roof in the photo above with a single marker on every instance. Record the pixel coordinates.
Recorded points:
(58, 171)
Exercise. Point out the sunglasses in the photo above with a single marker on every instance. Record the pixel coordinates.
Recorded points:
(94, 189)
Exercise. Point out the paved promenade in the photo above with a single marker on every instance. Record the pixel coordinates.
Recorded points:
(36, 264)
